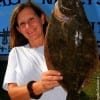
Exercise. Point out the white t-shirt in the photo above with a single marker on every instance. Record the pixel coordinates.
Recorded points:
(26, 64)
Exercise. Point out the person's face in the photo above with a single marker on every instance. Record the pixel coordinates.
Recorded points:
(29, 24)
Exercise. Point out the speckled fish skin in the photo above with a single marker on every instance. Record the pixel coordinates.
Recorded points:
(71, 47)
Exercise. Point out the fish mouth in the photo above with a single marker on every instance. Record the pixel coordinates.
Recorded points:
(58, 14)
(68, 7)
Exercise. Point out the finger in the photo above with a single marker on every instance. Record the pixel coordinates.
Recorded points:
(52, 73)
(49, 85)
(52, 78)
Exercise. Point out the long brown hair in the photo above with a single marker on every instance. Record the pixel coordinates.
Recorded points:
(16, 38)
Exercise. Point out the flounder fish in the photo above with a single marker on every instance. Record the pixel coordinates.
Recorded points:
(70, 45)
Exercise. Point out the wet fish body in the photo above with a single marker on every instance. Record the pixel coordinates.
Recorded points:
(70, 46)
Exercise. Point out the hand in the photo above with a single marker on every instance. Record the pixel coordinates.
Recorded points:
(50, 79)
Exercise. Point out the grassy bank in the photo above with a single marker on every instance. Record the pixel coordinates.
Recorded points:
(93, 88)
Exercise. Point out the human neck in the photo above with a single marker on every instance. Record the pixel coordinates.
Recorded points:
(36, 43)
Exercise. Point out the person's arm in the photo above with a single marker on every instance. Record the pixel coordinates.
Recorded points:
(18, 92)
(49, 80)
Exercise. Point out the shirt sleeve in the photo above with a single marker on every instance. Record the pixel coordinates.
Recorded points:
(10, 74)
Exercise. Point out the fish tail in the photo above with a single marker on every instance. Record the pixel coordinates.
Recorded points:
(73, 95)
